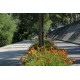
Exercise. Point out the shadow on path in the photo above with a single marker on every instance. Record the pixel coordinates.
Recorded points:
(10, 54)
(11, 58)
(72, 49)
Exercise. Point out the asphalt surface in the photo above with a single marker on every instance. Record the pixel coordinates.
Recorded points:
(72, 49)
(10, 54)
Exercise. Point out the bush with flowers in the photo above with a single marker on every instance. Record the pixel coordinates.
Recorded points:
(47, 55)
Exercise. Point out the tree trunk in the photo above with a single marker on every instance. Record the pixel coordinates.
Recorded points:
(41, 37)
(71, 18)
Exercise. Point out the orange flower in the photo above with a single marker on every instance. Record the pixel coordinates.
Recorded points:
(64, 51)
(37, 59)
(48, 60)
(52, 48)
(41, 48)
(48, 51)
(55, 52)
(66, 60)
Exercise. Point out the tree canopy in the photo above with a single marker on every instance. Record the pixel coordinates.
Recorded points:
(7, 29)
(15, 27)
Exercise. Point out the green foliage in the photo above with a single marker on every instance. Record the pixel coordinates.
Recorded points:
(47, 44)
(48, 60)
(47, 25)
(64, 18)
(47, 22)
(27, 26)
(28, 23)
(7, 29)
(46, 56)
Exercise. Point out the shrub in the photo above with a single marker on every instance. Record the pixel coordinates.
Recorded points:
(7, 29)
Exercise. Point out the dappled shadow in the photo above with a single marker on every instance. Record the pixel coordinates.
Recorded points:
(11, 58)
(9, 62)
(73, 50)
(75, 35)
(10, 54)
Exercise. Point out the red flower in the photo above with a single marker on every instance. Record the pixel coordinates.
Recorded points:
(48, 60)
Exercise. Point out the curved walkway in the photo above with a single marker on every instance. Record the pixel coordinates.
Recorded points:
(10, 54)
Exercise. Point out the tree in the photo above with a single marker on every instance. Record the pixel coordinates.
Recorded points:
(44, 25)
(47, 22)
(64, 18)
(41, 36)
(7, 29)
(28, 25)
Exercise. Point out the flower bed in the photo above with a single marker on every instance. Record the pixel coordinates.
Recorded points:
(47, 55)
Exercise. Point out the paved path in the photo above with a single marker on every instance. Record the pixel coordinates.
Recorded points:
(72, 49)
(10, 55)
